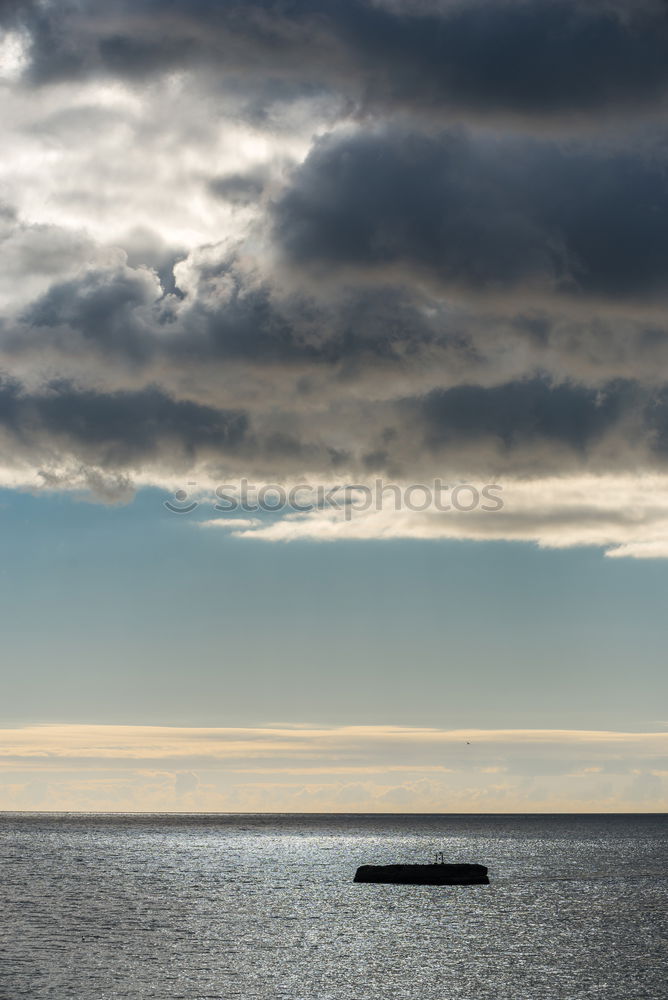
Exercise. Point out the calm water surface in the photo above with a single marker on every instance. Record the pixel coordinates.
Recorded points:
(265, 907)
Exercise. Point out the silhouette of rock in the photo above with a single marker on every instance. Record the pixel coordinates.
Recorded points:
(434, 874)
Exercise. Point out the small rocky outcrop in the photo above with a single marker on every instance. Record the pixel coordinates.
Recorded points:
(435, 874)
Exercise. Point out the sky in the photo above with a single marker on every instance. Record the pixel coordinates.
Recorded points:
(333, 413)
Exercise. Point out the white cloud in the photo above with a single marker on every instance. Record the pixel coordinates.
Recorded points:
(625, 515)
(13, 55)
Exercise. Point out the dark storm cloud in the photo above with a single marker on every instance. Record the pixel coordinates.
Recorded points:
(123, 314)
(103, 307)
(530, 57)
(487, 214)
(321, 379)
(14, 11)
(466, 277)
(657, 422)
(533, 57)
(116, 429)
(526, 424)
(521, 413)
(459, 291)
(371, 326)
(537, 424)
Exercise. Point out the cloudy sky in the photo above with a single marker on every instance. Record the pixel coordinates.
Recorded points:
(317, 243)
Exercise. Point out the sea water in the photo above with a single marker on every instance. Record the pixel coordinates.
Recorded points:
(260, 906)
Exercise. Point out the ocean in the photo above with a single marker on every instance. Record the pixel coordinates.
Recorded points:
(264, 906)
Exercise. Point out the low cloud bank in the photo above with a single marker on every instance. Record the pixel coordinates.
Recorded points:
(346, 768)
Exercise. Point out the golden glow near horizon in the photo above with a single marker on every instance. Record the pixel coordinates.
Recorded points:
(330, 769)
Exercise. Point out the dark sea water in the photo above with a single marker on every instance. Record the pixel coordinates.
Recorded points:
(197, 907)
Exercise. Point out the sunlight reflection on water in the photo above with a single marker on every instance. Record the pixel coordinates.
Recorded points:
(265, 906)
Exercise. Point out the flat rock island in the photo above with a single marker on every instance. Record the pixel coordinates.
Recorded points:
(432, 874)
